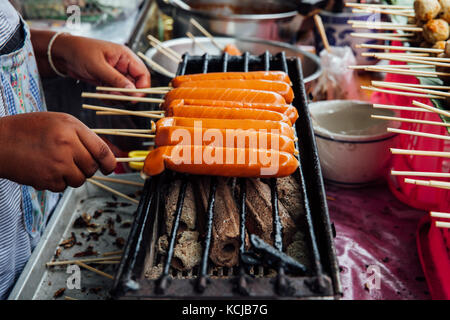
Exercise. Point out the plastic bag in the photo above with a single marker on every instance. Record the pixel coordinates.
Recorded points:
(337, 80)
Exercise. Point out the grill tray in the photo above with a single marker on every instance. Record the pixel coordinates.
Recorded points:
(321, 280)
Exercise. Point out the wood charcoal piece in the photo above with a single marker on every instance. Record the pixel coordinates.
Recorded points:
(188, 215)
(225, 230)
(188, 251)
(299, 249)
(260, 216)
(290, 196)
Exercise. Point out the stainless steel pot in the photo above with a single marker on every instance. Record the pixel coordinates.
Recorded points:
(264, 19)
(310, 62)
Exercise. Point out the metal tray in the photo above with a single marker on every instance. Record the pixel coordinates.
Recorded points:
(39, 282)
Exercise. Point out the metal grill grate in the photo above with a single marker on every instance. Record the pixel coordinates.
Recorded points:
(291, 278)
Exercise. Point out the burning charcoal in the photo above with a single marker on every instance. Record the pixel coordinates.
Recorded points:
(58, 293)
(98, 213)
(298, 249)
(120, 242)
(88, 252)
(118, 219)
(69, 243)
(225, 232)
(188, 215)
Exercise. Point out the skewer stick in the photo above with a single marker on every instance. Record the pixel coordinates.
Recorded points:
(321, 29)
(88, 260)
(112, 253)
(435, 214)
(121, 111)
(399, 108)
(420, 134)
(378, 37)
(386, 34)
(429, 74)
(442, 224)
(170, 50)
(206, 33)
(413, 85)
(433, 109)
(376, 5)
(400, 66)
(125, 134)
(396, 54)
(414, 89)
(386, 27)
(408, 14)
(442, 154)
(119, 97)
(156, 66)
(401, 93)
(429, 183)
(421, 174)
(165, 52)
(129, 130)
(383, 55)
(135, 159)
(121, 181)
(157, 90)
(106, 275)
(197, 43)
(120, 194)
(415, 60)
(69, 298)
(113, 113)
(400, 48)
(382, 23)
(436, 123)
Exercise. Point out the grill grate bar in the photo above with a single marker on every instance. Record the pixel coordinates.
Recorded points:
(163, 281)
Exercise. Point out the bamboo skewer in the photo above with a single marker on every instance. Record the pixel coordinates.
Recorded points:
(112, 253)
(399, 108)
(113, 113)
(435, 214)
(421, 174)
(121, 181)
(135, 159)
(400, 66)
(430, 74)
(125, 134)
(413, 85)
(156, 90)
(379, 37)
(415, 60)
(414, 89)
(436, 123)
(386, 27)
(321, 29)
(69, 298)
(106, 275)
(420, 134)
(376, 5)
(396, 54)
(408, 152)
(163, 51)
(169, 50)
(429, 183)
(400, 48)
(119, 97)
(442, 224)
(206, 33)
(408, 14)
(121, 111)
(129, 130)
(197, 43)
(156, 66)
(433, 109)
(382, 23)
(401, 93)
(118, 193)
(88, 260)
(384, 56)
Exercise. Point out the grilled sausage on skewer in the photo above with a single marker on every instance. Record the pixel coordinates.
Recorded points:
(279, 87)
(216, 161)
(252, 75)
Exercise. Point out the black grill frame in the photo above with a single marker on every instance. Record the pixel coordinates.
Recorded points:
(321, 282)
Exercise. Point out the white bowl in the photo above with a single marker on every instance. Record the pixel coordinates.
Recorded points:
(353, 147)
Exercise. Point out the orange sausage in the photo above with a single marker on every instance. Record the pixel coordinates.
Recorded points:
(232, 50)
(233, 138)
(281, 127)
(279, 87)
(252, 75)
(287, 109)
(224, 113)
(216, 161)
(242, 95)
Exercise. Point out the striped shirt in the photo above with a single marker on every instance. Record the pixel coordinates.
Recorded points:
(9, 22)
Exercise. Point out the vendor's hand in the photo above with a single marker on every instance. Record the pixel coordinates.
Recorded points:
(100, 62)
(51, 151)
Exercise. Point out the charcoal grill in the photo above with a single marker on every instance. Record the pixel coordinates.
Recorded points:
(250, 279)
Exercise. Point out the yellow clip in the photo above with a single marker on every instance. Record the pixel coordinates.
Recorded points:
(137, 154)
